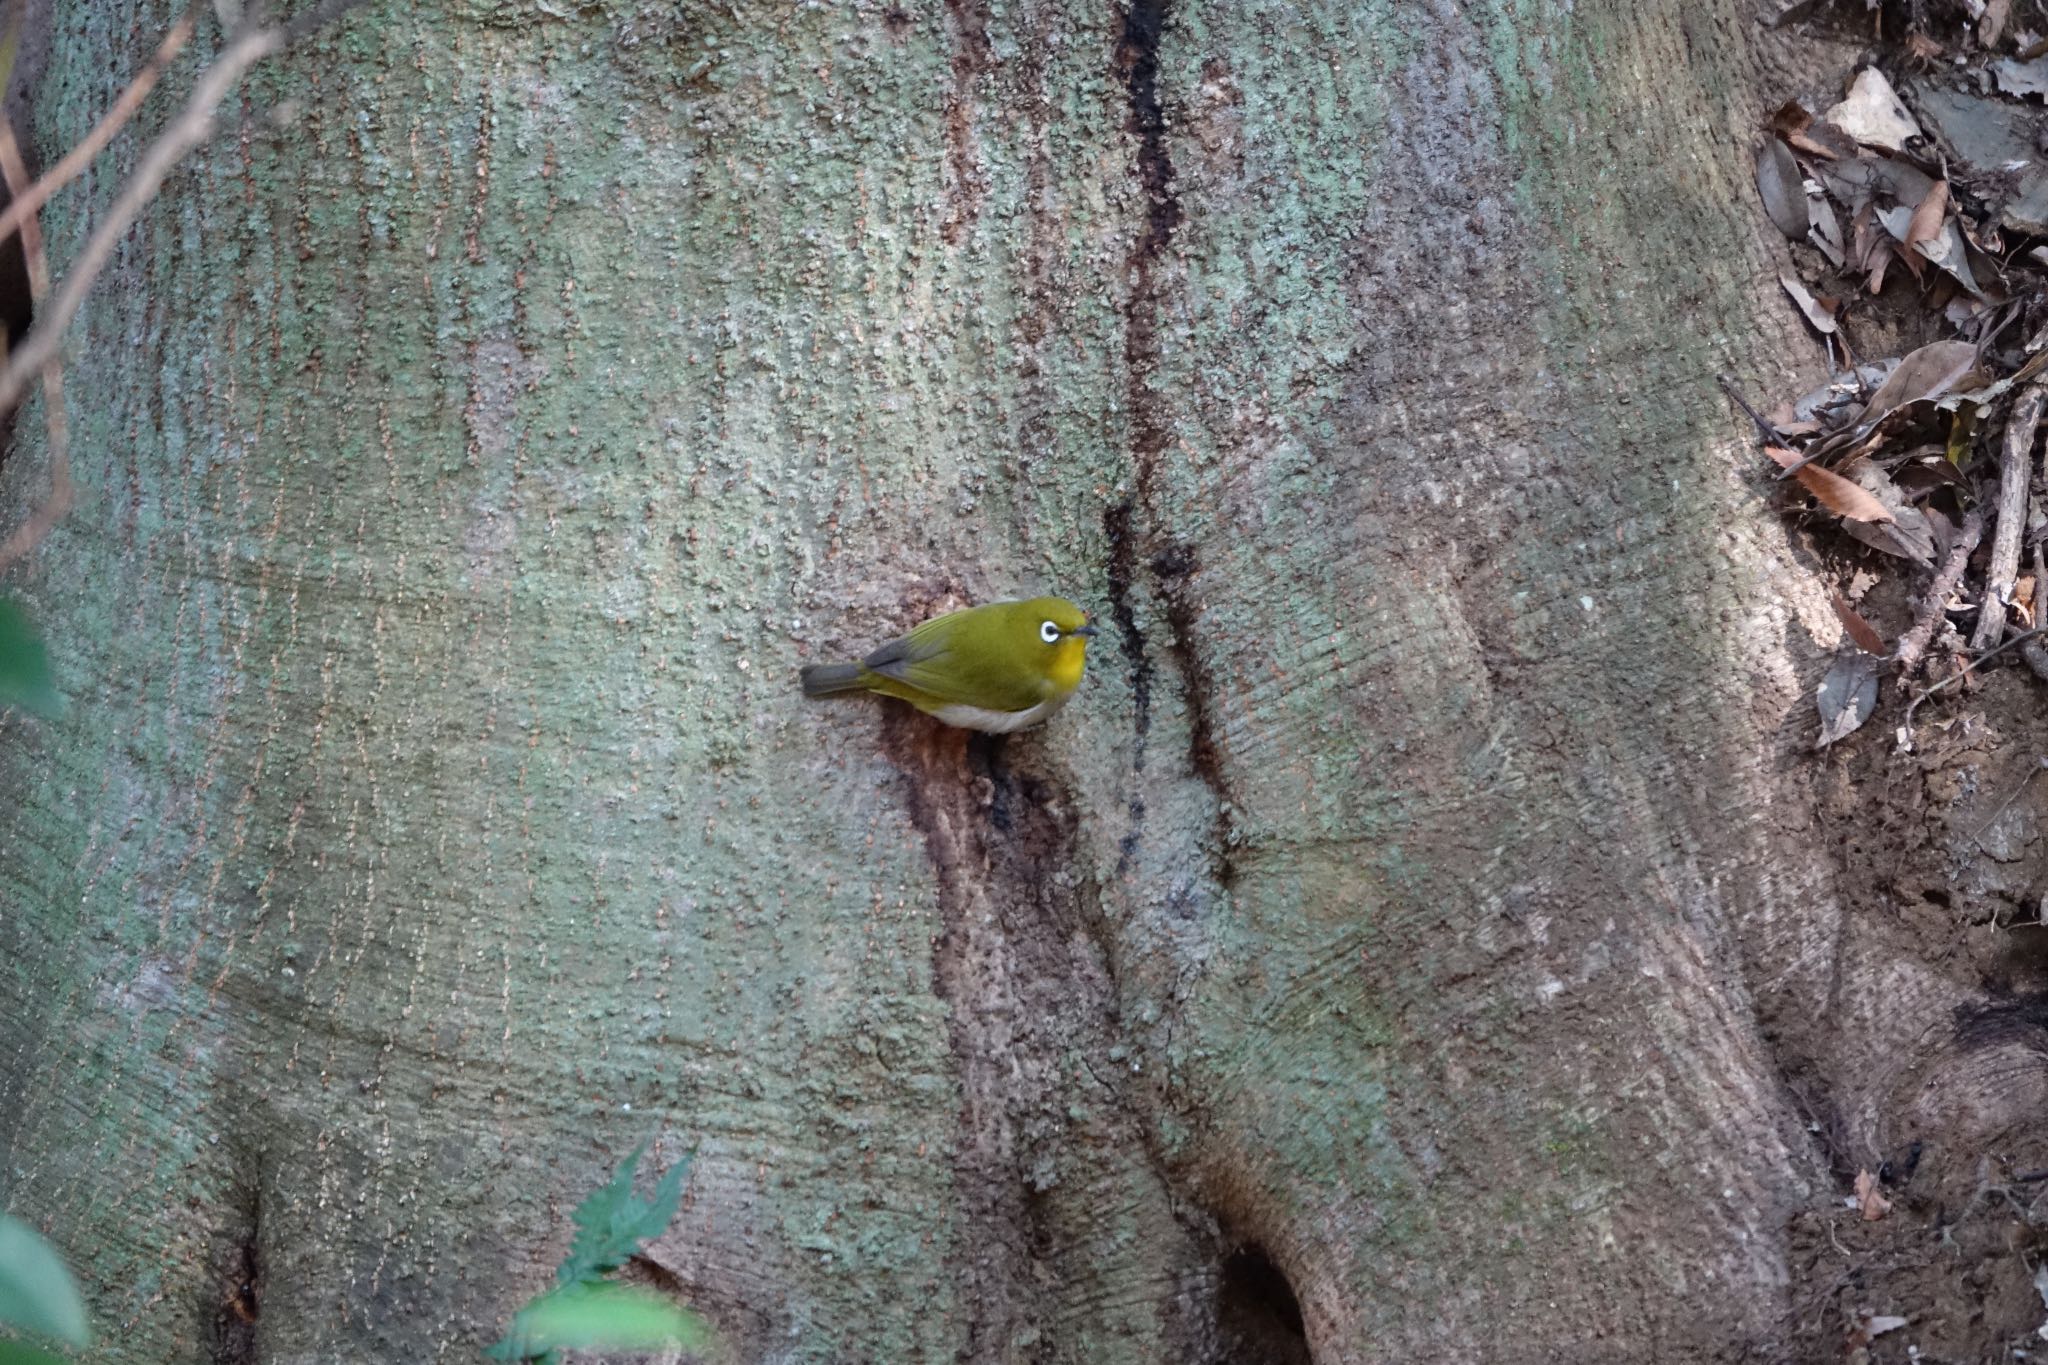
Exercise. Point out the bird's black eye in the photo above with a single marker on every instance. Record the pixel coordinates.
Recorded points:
(1049, 632)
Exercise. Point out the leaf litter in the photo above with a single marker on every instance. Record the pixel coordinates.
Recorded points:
(1915, 205)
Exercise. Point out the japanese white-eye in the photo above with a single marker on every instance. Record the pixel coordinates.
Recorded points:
(998, 667)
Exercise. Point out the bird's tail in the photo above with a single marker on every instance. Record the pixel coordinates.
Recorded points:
(822, 680)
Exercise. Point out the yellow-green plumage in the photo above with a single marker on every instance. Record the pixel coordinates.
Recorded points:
(998, 667)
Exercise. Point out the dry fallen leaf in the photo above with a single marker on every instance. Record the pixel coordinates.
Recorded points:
(1818, 313)
(1872, 113)
(1869, 1199)
(1846, 698)
(1867, 639)
(1824, 230)
(1918, 477)
(1932, 212)
(1783, 192)
(1908, 534)
(1840, 496)
(1945, 248)
(2022, 78)
(1991, 24)
(1912, 536)
(1837, 402)
(1927, 373)
(1792, 123)
(1852, 181)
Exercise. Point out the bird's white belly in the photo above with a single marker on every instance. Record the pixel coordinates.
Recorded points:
(996, 722)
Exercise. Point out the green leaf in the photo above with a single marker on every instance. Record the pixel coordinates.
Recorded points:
(21, 1353)
(585, 1311)
(36, 1293)
(611, 1224)
(24, 664)
(600, 1316)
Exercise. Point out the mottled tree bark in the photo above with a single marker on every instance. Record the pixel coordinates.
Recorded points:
(1388, 954)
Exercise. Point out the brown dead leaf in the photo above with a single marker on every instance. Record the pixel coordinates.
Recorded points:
(1991, 24)
(2023, 601)
(1869, 1198)
(1819, 312)
(1928, 217)
(1929, 372)
(1867, 639)
(1783, 458)
(1921, 48)
(1840, 496)
(1792, 123)
(1864, 235)
(1882, 257)
(1896, 221)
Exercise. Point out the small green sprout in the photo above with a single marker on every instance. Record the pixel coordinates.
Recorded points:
(588, 1312)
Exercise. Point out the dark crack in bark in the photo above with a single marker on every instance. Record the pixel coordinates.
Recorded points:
(1172, 563)
(1116, 530)
(1024, 965)
(238, 1299)
(975, 972)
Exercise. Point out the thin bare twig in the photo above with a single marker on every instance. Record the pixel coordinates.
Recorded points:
(31, 532)
(2016, 469)
(1913, 644)
(1962, 673)
(2033, 652)
(41, 350)
(1770, 433)
(28, 200)
(192, 127)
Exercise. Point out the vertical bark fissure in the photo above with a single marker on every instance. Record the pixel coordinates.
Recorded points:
(974, 973)
(1116, 529)
(239, 1302)
(1023, 963)
(1172, 563)
(971, 57)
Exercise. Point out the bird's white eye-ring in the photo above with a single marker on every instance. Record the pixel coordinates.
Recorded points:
(1049, 633)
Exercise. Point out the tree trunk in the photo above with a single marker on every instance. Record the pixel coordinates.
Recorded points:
(1408, 944)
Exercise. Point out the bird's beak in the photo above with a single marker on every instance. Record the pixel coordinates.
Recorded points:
(1084, 630)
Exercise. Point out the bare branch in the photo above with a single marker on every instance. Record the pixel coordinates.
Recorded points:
(27, 201)
(2015, 471)
(192, 127)
(1914, 642)
(42, 349)
(31, 532)
(2033, 652)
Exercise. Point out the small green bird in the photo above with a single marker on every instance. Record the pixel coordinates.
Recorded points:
(998, 667)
